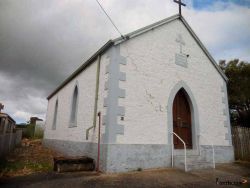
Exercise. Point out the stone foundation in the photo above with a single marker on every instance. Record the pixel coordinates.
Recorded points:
(129, 157)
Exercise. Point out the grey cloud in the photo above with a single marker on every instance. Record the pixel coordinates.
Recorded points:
(42, 42)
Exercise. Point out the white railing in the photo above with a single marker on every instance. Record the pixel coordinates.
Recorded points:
(212, 145)
(185, 152)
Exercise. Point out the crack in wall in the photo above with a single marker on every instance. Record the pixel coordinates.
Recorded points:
(149, 97)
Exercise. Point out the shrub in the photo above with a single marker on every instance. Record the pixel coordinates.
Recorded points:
(29, 131)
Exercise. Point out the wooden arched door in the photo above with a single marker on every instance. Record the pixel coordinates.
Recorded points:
(182, 120)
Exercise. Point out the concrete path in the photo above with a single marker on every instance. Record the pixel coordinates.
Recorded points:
(223, 175)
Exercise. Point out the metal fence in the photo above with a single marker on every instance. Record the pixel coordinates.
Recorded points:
(241, 143)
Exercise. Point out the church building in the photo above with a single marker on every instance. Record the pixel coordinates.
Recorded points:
(157, 89)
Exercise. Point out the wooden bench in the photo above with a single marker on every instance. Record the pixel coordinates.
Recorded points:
(71, 164)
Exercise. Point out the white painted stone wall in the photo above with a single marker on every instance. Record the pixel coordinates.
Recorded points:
(86, 92)
(151, 73)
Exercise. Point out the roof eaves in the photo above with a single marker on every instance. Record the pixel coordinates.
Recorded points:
(82, 67)
(110, 43)
(7, 115)
(204, 48)
(134, 34)
(145, 29)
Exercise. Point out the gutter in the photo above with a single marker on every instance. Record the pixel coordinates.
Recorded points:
(96, 96)
(83, 67)
(108, 45)
(134, 34)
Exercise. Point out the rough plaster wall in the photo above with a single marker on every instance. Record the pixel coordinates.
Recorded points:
(152, 73)
(93, 136)
(113, 110)
(86, 82)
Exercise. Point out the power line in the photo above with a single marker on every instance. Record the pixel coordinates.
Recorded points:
(110, 19)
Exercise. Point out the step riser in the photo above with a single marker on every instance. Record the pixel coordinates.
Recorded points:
(75, 167)
(189, 152)
(194, 167)
(193, 162)
(72, 164)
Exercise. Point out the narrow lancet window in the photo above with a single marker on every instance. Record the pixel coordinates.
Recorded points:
(55, 116)
(73, 114)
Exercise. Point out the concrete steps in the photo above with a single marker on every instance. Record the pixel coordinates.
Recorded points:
(194, 160)
(189, 152)
(194, 165)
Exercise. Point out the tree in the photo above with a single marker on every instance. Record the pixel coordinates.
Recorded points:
(238, 73)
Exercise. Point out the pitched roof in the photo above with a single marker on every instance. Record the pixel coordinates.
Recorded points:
(4, 115)
(135, 33)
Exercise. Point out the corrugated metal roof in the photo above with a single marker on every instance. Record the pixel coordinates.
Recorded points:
(8, 116)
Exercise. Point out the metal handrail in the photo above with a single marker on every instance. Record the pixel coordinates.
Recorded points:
(185, 152)
(212, 147)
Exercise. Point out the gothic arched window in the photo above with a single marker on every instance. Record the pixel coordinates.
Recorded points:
(73, 114)
(55, 115)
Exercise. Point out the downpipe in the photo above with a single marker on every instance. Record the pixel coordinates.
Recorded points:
(96, 96)
(99, 143)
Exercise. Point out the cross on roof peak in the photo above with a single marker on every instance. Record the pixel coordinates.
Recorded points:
(180, 4)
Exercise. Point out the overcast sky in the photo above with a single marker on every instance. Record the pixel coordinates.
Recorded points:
(43, 42)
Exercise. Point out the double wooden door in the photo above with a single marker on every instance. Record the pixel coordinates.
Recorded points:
(182, 120)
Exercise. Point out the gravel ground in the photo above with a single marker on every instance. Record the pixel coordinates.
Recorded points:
(31, 166)
(235, 172)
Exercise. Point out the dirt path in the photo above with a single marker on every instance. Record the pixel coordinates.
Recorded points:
(31, 166)
(149, 178)
(27, 159)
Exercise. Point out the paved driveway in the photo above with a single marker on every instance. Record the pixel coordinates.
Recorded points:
(223, 175)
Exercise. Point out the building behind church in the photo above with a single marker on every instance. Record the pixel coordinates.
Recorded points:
(10, 136)
(157, 81)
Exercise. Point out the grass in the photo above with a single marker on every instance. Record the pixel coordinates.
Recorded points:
(28, 132)
(30, 158)
(7, 167)
(33, 132)
(38, 133)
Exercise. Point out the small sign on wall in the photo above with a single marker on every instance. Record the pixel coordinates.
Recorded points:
(181, 59)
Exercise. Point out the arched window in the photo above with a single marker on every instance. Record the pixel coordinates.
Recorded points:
(55, 115)
(73, 114)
